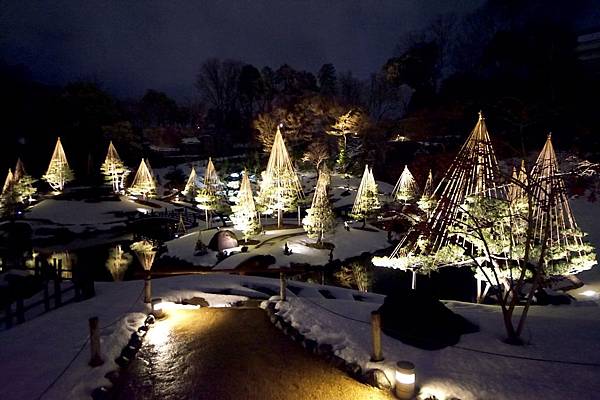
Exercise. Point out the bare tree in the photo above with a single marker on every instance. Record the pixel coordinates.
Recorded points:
(317, 153)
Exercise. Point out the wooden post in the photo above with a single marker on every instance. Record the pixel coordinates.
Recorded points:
(478, 290)
(206, 217)
(377, 353)
(282, 286)
(57, 289)
(96, 359)
(20, 311)
(148, 288)
(299, 215)
(279, 217)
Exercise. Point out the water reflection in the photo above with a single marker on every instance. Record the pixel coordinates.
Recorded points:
(118, 262)
(68, 261)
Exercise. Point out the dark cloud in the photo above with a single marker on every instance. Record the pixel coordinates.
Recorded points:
(131, 46)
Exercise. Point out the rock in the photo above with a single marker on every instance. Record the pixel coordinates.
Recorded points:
(289, 330)
(309, 344)
(112, 376)
(324, 349)
(122, 361)
(279, 323)
(337, 362)
(354, 370)
(129, 352)
(376, 377)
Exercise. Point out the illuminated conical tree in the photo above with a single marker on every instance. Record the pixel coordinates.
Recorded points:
(319, 217)
(191, 187)
(114, 169)
(474, 172)
(427, 202)
(366, 200)
(567, 251)
(244, 215)
(406, 188)
(59, 172)
(515, 191)
(8, 181)
(19, 170)
(280, 188)
(209, 198)
(143, 182)
(18, 188)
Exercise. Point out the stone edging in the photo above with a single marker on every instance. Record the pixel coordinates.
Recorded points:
(127, 354)
(373, 377)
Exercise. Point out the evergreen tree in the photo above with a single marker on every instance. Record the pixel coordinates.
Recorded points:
(319, 217)
(209, 197)
(327, 80)
(244, 215)
(143, 182)
(406, 188)
(427, 202)
(191, 187)
(367, 200)
(280, 188)
(59, 173)
(114, 169)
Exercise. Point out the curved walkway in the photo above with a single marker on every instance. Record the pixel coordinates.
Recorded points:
(231, 353)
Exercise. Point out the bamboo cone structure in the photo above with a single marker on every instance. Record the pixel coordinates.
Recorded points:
(114, 168)
(320, 219)
(191, 186)
(19, 170)
(280, 187)
(551, 202)
(406, 188)
(244, 215)
(366, 200)
(474, 172)
(58, 172)
(143, 182)
(8, 181)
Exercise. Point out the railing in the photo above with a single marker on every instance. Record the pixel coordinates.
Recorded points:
(51, 277)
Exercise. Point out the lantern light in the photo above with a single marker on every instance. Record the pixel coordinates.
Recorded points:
(157, 308)
(405, 380)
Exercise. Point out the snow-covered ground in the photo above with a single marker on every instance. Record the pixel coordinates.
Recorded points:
(33, 354)
(562, 335)
(347, 244)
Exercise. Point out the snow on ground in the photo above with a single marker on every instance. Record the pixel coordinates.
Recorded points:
(78, 216)
(566, 333)
(34, 353)
(347, 244)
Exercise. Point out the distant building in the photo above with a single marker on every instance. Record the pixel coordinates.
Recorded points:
(588, 50)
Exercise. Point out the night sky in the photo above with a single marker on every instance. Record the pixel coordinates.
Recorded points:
(130, 46)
